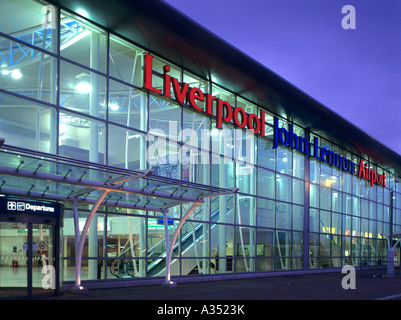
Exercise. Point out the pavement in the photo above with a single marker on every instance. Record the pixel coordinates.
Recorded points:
(317, 286)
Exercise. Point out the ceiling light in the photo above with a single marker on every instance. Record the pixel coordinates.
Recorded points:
(16, 74)
(114, 106)
(83, 87)
(83, 13)
(214, 132)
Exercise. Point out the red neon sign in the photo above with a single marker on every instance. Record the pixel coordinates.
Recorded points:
(182, 92)
(371, 175)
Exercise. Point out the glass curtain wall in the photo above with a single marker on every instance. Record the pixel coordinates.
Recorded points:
(69, 87)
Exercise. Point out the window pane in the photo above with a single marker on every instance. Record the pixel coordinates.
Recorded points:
(125, 61)
(298, 191)
(195, 82)
(195, 165)
(27, 71)
(195, 130)
(245, 243)
(325, 198)
(127, 148)
(83, 42)
(246, 178)
(26, 20)
(223, 95)
(314, 171)
(126, 238)
(266, 183)
(299, 160)
(27, 125)
(325, 221)
(336, 223)
(127, 106)
(82, 138)
(265, 213)
(313, 220)
(245, 146)
(163, 157)
(283, 188)
(82, 90)
(222, 172)
(265, 242)
(266, 154)
(297, 218)
(246, 210)
(284, 160)
(314, 196)
(336, 196)
(223, 209)
(164, 116)
(297, 244)
(283, 215)
(222, 241)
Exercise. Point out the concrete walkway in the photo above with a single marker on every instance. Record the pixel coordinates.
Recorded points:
(325, 286)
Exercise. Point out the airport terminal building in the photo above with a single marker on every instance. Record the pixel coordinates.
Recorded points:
(138, 147)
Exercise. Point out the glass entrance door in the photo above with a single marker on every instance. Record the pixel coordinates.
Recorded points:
(27, 259)
(43, 262)
(13, 259)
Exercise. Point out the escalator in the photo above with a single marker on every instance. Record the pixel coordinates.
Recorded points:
(157, 267)
(193, 234)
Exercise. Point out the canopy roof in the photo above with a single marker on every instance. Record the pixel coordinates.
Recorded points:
(52, 177)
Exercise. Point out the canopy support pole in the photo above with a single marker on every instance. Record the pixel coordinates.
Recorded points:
(170, 246)
(82, 240)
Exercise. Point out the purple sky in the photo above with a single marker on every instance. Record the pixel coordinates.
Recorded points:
(356, 73)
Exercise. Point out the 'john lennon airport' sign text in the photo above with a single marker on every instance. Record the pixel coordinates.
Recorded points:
(301, 144)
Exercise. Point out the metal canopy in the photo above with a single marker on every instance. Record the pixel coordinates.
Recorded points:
(45, 176)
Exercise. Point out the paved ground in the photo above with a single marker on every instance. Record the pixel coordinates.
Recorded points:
(327, 286)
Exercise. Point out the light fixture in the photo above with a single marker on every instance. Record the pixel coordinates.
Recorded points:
(83, 87)
(114, 106)
(83, 13)
(214, 132)
(16, 74)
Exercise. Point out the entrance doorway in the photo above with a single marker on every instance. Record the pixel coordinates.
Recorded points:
(29, 255)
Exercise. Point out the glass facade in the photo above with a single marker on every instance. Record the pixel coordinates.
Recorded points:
(71, 88)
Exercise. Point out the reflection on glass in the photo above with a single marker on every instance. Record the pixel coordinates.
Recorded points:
(26, 124)
(125, 61)
(27, 71)
(83, 42)
(34, 22)
(82, 90)
(82, 138)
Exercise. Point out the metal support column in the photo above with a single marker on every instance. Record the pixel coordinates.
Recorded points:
(170, 245)
(82, 239)
(306, 206)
